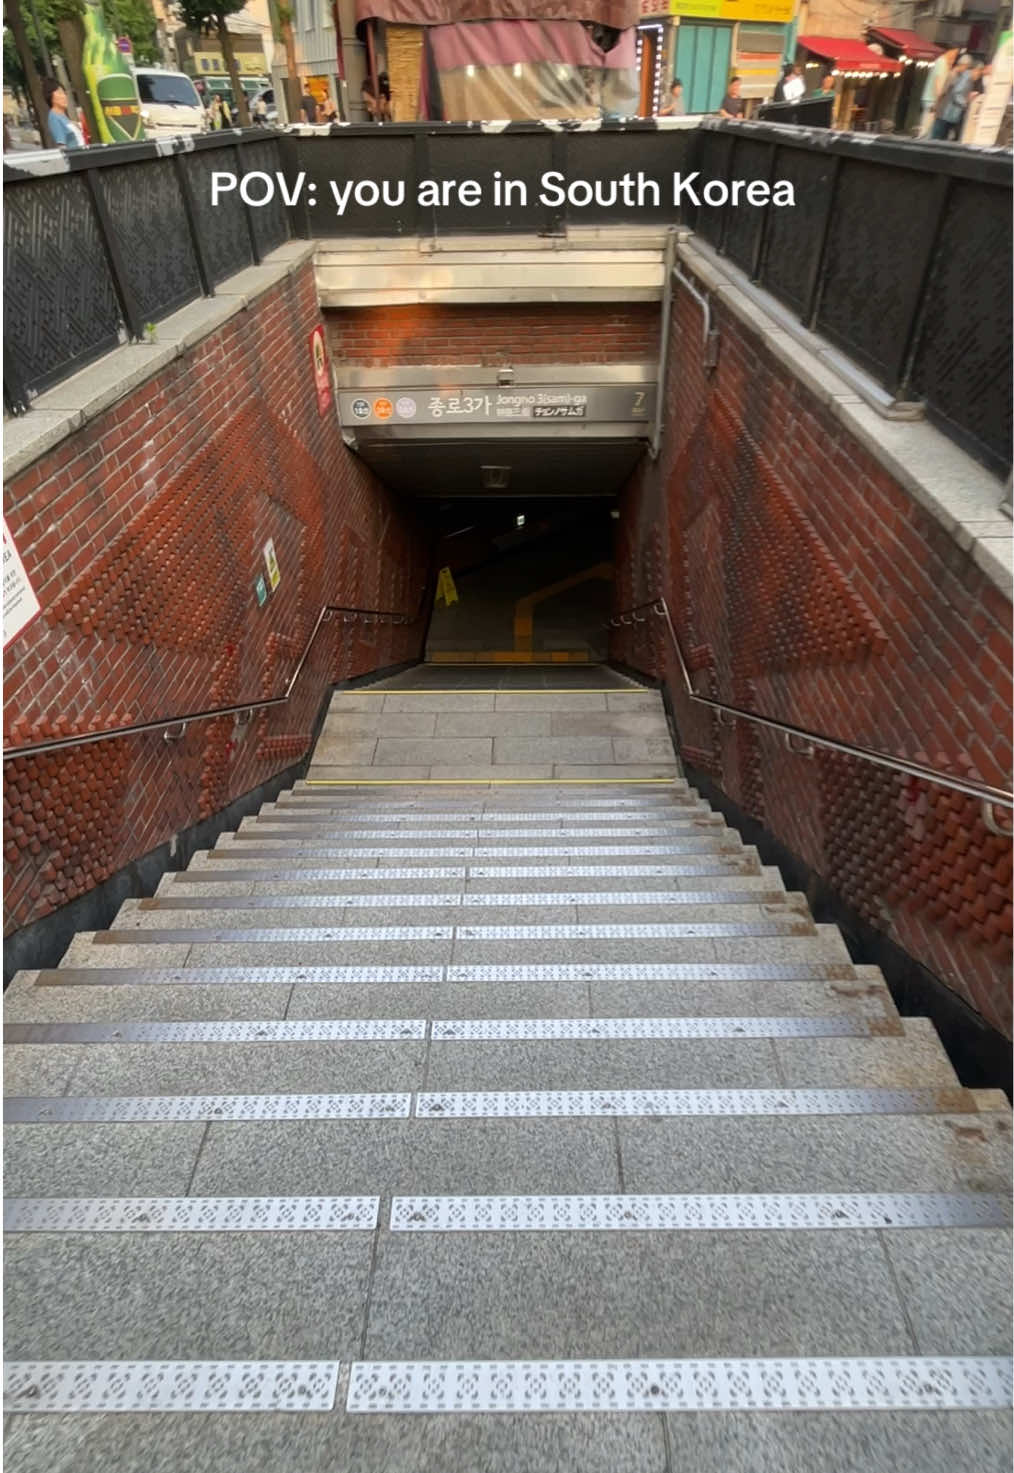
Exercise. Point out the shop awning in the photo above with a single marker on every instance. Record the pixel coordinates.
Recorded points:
(618, 14)
(850, 58)
(907, 43)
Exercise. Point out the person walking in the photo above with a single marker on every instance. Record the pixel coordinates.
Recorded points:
(63, 132)
(954, 99)
(936, 80)
(790, 85)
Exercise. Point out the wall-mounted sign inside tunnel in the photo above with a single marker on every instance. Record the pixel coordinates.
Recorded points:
(487, 404)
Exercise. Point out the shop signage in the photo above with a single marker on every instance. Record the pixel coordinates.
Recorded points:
(778, 12)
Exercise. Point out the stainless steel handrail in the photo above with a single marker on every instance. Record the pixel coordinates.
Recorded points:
(990, 796)
(165, 724)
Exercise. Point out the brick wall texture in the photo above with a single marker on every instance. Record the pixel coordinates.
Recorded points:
(142, 535)
(528, 333)
(808, 586)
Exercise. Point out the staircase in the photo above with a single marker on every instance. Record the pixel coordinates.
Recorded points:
(532, 1127)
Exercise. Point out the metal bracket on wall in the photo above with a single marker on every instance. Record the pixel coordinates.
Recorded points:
(992, 823)
(710, 340)
(799, 747)
(170, 736)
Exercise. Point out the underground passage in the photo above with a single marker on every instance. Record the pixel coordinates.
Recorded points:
(507, 811)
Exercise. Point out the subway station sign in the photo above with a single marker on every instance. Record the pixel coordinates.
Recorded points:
(489, 405)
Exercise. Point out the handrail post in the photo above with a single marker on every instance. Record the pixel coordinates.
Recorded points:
(190, 214)
(815, 279)
(124, 291)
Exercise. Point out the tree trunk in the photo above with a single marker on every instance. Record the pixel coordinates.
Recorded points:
(16, 21)
(71, 34)
(225, 41)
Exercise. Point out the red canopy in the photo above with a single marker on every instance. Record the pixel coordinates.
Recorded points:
(848, 55)
(907, 42)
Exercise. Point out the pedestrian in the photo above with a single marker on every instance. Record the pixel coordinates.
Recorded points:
(675, 107)
(63, 132)
(215, 113)
(377, 98)
(307, 108)
(790, 85)
(826, 87)
(330, 111)
(732, 103)
(953, 100)
(936, 80)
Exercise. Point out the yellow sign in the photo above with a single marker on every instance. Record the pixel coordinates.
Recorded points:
(778, 12)
(271, 563)
(445, 587)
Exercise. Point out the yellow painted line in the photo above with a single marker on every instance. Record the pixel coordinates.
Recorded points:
(517, 782)
(500, 690)
(524, 609)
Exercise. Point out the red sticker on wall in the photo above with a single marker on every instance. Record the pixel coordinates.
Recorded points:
(321, 374)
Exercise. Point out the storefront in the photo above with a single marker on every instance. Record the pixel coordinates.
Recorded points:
(867, 83)
(916, 56)
(718, 38)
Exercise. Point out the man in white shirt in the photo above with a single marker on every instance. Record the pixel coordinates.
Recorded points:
(935, 82)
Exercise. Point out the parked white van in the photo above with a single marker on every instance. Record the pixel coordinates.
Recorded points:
(170, 103)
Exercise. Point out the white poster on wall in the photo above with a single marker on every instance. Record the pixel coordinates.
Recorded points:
(20, 603)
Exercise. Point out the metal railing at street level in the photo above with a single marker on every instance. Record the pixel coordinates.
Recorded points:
(897, 251)
(802, 741)
(245, 709)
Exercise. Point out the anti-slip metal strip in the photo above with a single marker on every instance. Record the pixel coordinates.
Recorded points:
(460, 872)
(232, 976)
(547, 1103)
(506, 1029)
(195, 935)
(797, 925)
(276, 832)
(655, 972)
(170, 1386)
(46, 1110)
(393, 899)
(720, 844)
(312, 976)
(190, 1214)
(883, 1383)
(365, 1030)
(379, 810)
(709, 1213)
(292, 1030)
(407, 818)
(717, 866)
(264, 876)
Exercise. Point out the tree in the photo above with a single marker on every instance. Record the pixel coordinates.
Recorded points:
(281, 26)
(29, 65)
(211, 17)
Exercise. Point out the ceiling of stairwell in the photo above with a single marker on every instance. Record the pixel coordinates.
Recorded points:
(530, 468)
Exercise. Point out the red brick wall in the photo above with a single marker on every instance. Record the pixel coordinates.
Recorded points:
(808, 586)
(142, 535)
(528, 333)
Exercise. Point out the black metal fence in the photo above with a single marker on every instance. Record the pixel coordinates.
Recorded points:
(116, 238)
(896, 251)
